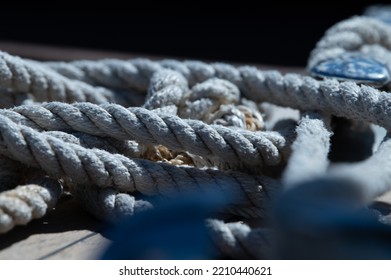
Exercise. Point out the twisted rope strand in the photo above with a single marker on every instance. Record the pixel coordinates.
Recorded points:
(343, 99)
(126, 148)
(109, 204)
(84, 166)
(95, 148)
(351, 35)
(309, 158)
(26, 202)
(111, 73)
(239, 241)
(21, 75)
(166, 91)
(110, 120)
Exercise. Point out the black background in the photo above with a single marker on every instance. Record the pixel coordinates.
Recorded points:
(281, 35)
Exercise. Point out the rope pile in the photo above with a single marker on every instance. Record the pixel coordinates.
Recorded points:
(114, 133)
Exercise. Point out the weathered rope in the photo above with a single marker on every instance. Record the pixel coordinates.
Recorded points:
(108, 204)
(126, 148)
(92, 166)
(354, 34)
(24, 76)
(310, 150)
(239, 241)
(344, 99)
(229, 146)
(26, 202)
(197, 127)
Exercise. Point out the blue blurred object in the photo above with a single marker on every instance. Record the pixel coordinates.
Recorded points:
(174, 229)
(355, 67)
(321, 220)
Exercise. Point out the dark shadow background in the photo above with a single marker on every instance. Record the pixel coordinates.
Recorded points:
(281, 35)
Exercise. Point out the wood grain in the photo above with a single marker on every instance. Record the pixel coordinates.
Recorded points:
(63, 228)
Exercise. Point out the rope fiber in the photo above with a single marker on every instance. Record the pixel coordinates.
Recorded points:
(118, 134)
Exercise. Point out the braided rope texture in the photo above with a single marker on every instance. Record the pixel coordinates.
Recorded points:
(117, 134)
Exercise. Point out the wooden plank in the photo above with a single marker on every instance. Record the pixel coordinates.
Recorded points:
(45, 52)
(38, 246)
(61, 229)
(87, 248)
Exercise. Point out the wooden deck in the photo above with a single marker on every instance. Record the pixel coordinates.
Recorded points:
(68, 232)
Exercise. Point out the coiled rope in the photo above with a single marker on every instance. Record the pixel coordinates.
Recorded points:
(110, 130)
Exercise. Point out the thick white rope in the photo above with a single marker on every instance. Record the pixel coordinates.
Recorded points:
(26, 76)
(239, 241)
(207, 115)
(108, 204)
(92, 166)
(26, 202)
(355, 34)
(230, 147)
(343, 99)
(310, 150)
